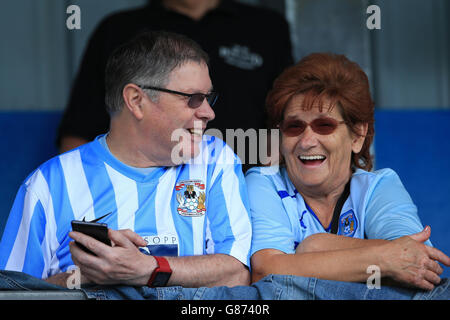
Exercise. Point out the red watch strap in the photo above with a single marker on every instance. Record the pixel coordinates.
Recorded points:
(163, 266)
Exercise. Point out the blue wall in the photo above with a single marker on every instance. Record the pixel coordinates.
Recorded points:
(416, 144)
(27, 139)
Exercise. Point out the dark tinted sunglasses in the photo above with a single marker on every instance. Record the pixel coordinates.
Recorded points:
(322, 126)
(195, 99)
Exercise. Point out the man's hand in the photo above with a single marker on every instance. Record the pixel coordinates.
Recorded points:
(408, 260)
(122, 263)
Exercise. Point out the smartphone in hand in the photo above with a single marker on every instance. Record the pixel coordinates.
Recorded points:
(94, 229)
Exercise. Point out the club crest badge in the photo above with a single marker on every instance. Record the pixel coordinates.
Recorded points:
(348, 224)
(191, 198)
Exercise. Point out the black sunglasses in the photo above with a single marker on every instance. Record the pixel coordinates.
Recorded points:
(195, 99)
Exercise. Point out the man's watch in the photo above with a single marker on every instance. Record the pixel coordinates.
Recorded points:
(161, 274)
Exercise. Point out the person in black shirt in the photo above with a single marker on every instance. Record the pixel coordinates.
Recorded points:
(248, 48)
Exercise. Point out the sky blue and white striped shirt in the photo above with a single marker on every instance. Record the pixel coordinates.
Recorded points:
(191, 209)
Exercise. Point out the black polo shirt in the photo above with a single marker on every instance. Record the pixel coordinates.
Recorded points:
(248, 48)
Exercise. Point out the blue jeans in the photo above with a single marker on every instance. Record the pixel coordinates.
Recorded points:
(272, 287)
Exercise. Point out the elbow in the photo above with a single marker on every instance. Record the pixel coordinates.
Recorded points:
(238, 277)
(312, 243)
(263, 263)
(243, 277)
(257, 275)
(259, 271)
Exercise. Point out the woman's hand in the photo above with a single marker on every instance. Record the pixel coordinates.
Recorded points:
(408, 260)
(328, 242)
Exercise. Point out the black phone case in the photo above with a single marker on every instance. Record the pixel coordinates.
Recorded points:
(98, 231)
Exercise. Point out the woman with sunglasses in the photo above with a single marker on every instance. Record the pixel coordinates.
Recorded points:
(324, 214)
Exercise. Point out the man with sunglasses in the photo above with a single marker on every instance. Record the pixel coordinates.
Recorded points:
(160, 97)
(248, 47)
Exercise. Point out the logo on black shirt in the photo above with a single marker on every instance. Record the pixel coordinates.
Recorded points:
(240, 57)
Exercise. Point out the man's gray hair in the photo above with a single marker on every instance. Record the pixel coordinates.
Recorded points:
(147, 60)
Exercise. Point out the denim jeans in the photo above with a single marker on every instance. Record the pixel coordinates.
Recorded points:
(272, 287)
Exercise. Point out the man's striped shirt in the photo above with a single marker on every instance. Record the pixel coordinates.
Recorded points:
(191, 209)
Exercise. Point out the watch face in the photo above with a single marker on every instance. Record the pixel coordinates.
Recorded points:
(161, 279)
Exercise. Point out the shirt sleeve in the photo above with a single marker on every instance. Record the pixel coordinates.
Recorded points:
(390, 212)
(270, 222)
(228, 219)
(21, 244)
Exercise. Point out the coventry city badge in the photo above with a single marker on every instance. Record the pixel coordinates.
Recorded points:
(191, 198)
(348, 224)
